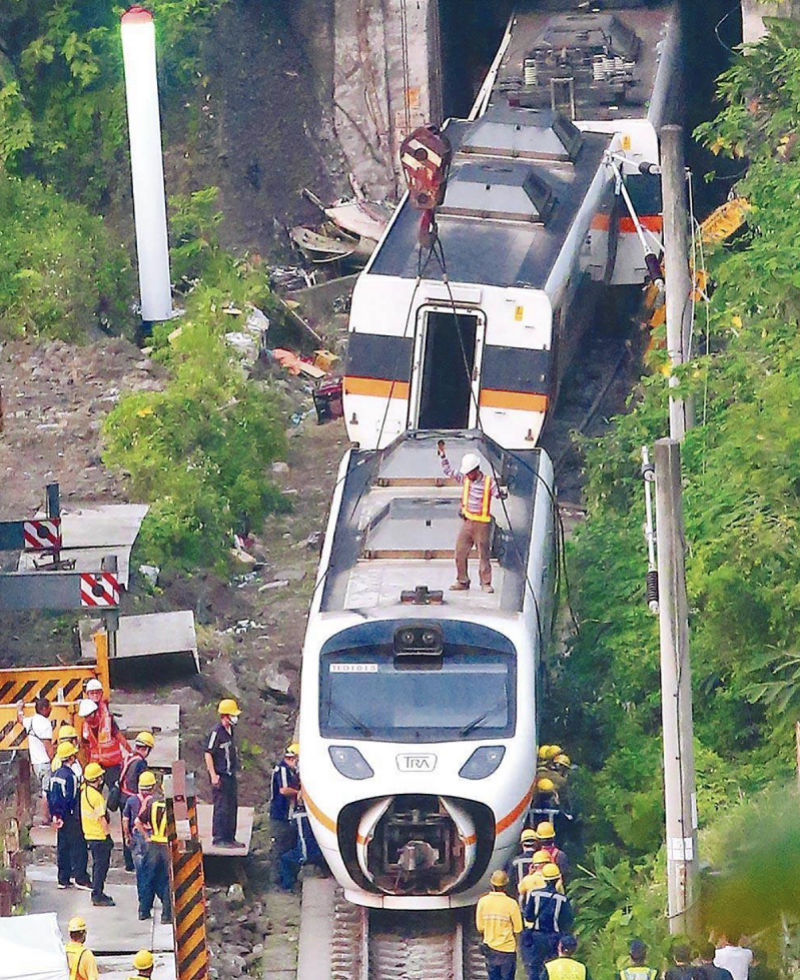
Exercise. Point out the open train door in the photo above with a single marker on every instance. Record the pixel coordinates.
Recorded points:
(445, 381)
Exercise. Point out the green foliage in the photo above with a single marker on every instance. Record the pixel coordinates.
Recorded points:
(199, 449)
(59, 270)
(741, 468)
(193, 222)
(62, 103)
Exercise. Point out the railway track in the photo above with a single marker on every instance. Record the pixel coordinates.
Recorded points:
(372, 944)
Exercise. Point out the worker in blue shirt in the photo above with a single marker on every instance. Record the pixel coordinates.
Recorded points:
(285, 787)
(63, 798)
(548, 913)
(306, 850)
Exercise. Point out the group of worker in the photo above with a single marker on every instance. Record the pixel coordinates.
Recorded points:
(290, 828)
(78, 801)
(540, 912)
(81, 960)
(550, 788)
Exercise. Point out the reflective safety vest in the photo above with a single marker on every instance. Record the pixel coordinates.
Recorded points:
(158, 822)
(483, 516)
(638, 973)
(104, 746)
(565, 968)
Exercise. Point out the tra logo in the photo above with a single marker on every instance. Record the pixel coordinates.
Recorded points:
(420, 762)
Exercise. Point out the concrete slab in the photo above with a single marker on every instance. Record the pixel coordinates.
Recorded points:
(86, 560)
(46, 836)
(121, 967)
(244, 831)
(92, 525)
(89, 531)
(163, 720)
(156, 634)
(111, 930)
(316, 929)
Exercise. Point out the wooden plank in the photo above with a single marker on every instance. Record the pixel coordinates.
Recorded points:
(46, 836)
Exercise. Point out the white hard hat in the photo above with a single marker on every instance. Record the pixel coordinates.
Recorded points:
(94, 685)
(86, 707)
(469, 462)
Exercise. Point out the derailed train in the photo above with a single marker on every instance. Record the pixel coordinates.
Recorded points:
(418, 705)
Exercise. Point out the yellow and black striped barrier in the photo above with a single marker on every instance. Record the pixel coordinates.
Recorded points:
(187, 880)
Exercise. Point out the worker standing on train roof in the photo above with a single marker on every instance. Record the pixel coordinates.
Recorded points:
(565, 966)
(143, 963)
(498, 920)
(476, 517)
(547, 912)
(80, 959)
(638, 970)
(222, 765)
(520, 865)
(546, 836)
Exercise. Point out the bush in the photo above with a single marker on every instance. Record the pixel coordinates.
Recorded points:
(60, 273)
(200, 449)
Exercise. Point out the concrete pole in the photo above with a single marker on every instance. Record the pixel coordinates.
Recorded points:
(676, 693)
(676, 268)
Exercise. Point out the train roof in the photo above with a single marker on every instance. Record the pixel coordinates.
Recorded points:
(557, 33)
(398, 519)
(523, 175)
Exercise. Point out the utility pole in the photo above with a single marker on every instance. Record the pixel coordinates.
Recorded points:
(676, 268)
(676, 693)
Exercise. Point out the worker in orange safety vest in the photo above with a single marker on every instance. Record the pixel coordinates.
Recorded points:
(476, 517)
(104, 742)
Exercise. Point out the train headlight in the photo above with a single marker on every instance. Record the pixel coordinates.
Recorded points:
(350, 762)
(482, 762)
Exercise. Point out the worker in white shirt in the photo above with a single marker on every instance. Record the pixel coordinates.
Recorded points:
(39, 729)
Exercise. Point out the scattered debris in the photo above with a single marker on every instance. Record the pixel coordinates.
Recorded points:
(150, 573)
(277, 584)
(280, 467)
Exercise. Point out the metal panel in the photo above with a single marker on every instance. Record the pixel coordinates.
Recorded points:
(379, 356)
(41, 590)
(516, 369)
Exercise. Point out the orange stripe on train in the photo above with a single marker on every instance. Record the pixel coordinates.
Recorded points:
(522, 400)
(377, 387)
(652, 222)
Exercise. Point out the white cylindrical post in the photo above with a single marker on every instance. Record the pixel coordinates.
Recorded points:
(147, 168)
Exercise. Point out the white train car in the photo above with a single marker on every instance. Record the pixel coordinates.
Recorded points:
(531, 228)
(418, 705)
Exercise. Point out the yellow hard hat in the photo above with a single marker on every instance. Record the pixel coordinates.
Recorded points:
(545, 830)
(76, 924)
(542, 857)
(544, 751)
(527, 834)
(563, 760)
(499, 878)
(66, 731)
(293, 749)
(553, 751)
(93, 771)
(228, 706)
(551, 872)
(66, 750)
(145, 738)
(545, 785)
(147, 779)
(143, 960)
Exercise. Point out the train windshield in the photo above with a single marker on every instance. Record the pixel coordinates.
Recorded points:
(465, 694)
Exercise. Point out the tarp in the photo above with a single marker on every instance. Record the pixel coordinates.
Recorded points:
(31, 948)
